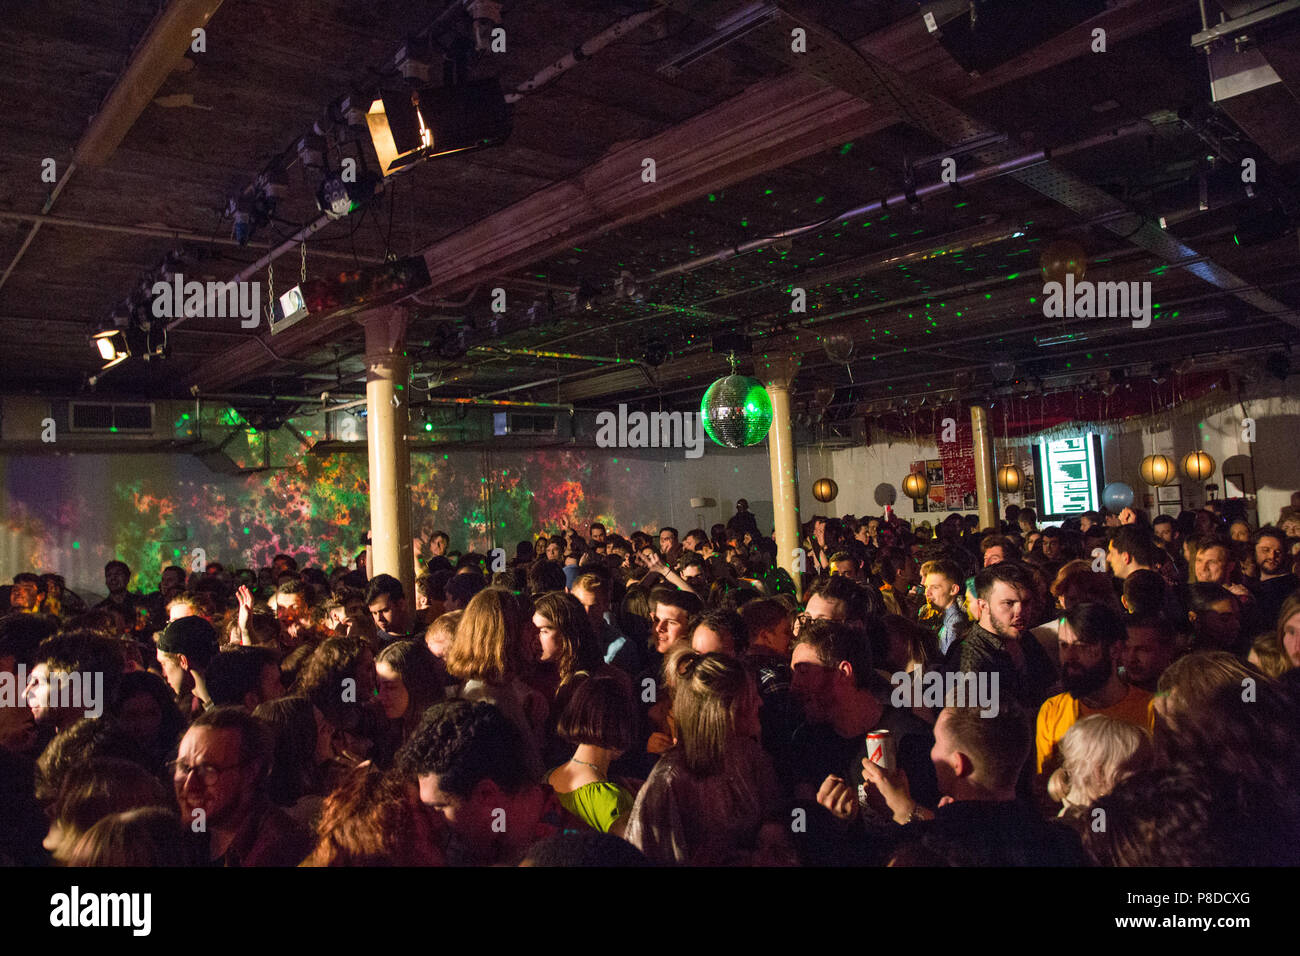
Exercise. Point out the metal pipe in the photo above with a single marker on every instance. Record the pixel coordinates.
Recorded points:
(36, 226)
(162, 232)
(583, 51)
(538, 353)
(352, 403)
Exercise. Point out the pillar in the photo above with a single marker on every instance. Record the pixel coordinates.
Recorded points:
(778, 373)
(387, 420)
(985, 488)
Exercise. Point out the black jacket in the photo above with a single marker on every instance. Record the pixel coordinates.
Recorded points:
(979, 650)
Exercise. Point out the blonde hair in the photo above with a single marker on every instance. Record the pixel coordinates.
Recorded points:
(710, 689)
(445, 624)
(1267, 654)
(488, 645)
(1097, 752)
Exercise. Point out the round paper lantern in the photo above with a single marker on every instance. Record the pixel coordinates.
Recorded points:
(1117, 496)
(1157, 470)
(825, 489)
(916, 486)
(1198, 466)
(736, 411)
(1010, 479)
(1062, 257)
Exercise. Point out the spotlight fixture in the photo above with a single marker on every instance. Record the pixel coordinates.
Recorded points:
(410, 125)
(112, 345)
(311, 150)
(414, 61)
(337, 198)
(241, 212)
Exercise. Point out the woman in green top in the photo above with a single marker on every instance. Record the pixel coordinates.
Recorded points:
(600, 719)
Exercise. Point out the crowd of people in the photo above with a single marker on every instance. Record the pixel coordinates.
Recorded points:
(1111, 690)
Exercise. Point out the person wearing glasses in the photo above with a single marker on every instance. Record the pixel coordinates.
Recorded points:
(220, 774)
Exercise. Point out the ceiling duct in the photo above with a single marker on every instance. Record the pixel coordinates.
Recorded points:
(1254, 65)
(981, 34)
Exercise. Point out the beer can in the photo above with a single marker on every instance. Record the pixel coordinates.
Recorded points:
(881, 749)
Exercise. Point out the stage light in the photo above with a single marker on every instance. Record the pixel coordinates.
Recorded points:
(112, 345)
(337, 198)
(409, 125)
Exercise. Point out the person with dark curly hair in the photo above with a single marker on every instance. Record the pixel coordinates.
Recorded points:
(471, 764)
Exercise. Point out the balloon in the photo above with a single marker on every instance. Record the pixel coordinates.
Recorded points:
(1117, 496)
(1061, 257)
(839, 347)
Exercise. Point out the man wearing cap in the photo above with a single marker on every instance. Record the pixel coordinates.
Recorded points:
(185, 649)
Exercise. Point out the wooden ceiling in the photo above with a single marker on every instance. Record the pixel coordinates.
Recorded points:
(748, 143)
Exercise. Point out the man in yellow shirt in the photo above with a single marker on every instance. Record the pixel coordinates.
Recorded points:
(1091, 638)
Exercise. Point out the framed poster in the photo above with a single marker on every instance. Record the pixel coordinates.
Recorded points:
(1167, 494)
(934, 472)
(1173, 509)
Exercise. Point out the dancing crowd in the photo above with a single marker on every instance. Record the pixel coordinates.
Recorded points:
(1112, 690)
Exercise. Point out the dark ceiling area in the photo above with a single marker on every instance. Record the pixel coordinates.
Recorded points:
(619, 289)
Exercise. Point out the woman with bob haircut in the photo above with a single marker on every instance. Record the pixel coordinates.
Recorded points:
(713, 799)
(600, 720)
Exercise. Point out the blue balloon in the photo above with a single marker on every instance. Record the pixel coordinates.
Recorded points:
(1117, 496)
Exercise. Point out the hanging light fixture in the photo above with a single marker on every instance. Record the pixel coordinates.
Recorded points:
(1157, 470)
(1198, 466)
(916, 486)
(1010, 479)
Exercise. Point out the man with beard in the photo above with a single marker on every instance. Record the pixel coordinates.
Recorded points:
(1274, 581)
(1000, 639)
(1091, 641)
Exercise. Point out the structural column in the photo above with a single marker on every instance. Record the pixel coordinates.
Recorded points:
(387, 420)
(985, 490)
(778, 373)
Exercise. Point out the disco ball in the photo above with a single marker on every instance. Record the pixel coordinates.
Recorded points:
(736, 411)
